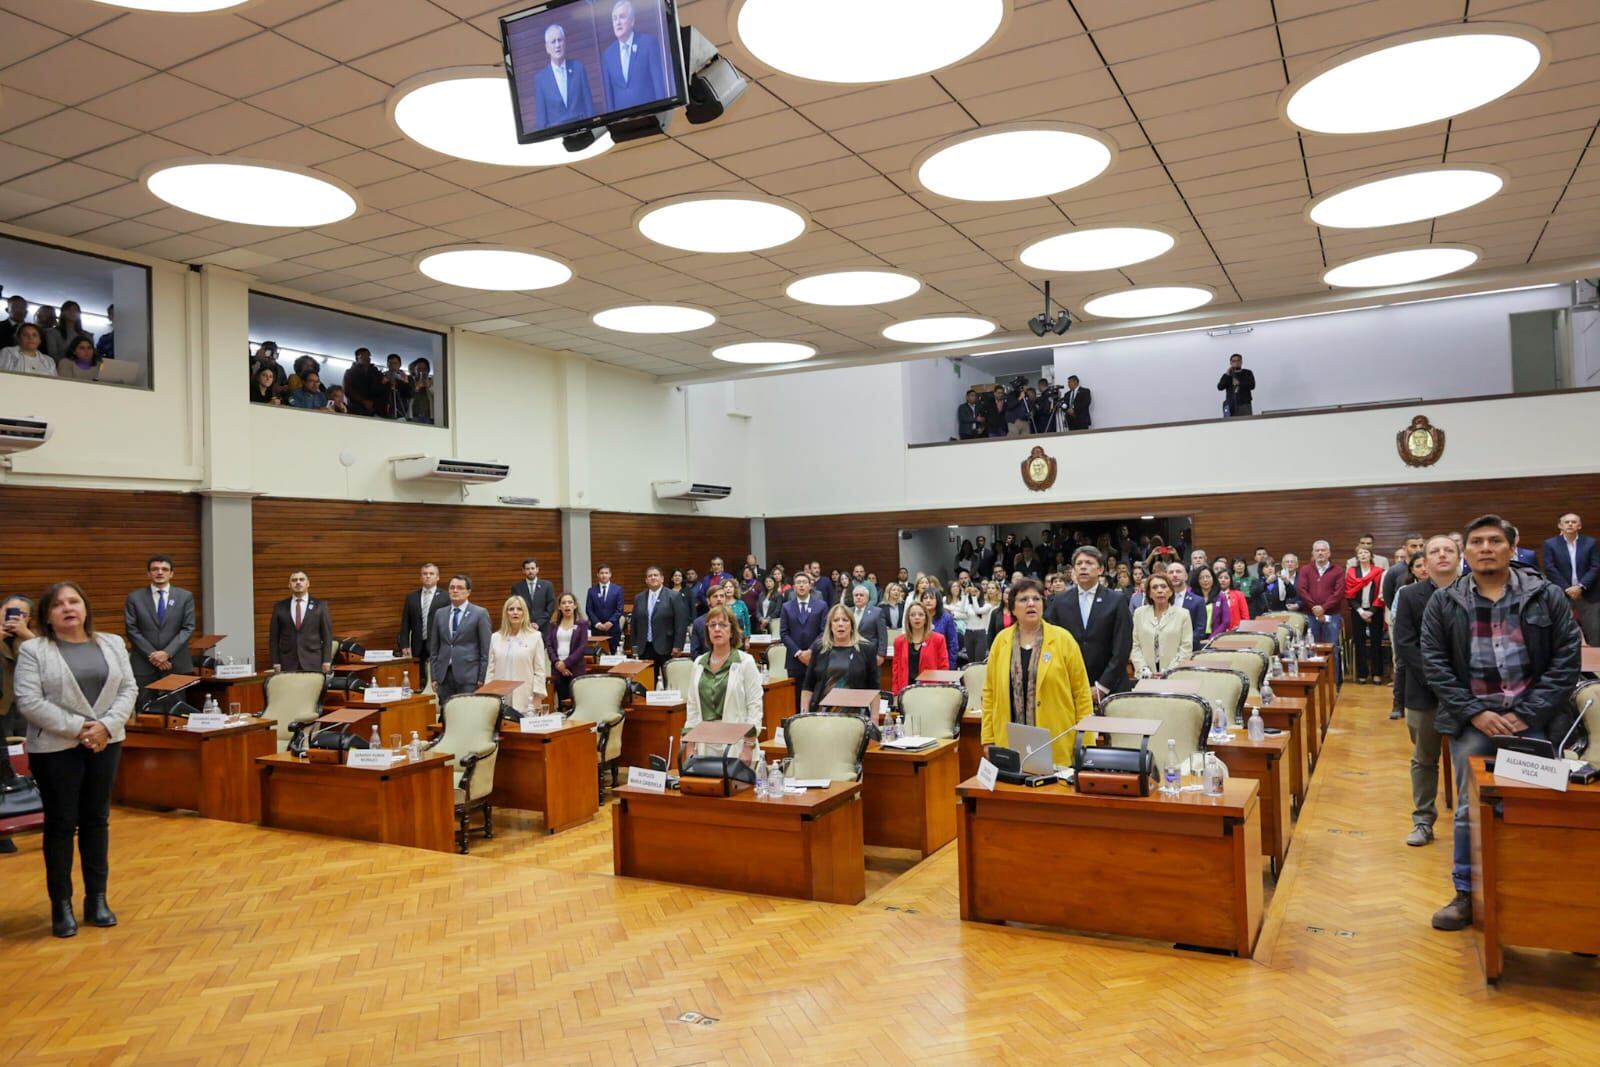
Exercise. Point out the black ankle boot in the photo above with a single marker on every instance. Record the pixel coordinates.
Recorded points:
(62, 922)
(96, 911)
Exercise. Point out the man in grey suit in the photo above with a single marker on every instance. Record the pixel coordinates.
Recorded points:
(301, 634)
(460, 639)
(538, 594)
(869, 622)
(159, 620)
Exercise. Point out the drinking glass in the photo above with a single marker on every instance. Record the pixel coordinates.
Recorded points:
(395, 743)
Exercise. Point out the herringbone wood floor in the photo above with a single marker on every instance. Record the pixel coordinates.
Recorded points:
(244, 946)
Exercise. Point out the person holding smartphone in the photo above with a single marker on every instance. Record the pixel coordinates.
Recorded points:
(16, 615)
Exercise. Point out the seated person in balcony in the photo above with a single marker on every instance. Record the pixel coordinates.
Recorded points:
(363, 384)
(310, 394)
(261, 391)
(26, 356)
(81, 360)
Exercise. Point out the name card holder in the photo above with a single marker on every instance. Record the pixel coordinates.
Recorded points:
(663, 697)
(382, 694)
(226, 671)
(378, 656)
(647, 780)
(542, 724)
(374, 759)
(213, 720)
(1519, 768)
(988, 774)
(612, 660)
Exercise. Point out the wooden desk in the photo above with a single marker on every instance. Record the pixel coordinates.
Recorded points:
(249, 693)
(908, 797)
(777, 704)
(1289, 715)
(636, 670)
(1535, 867)
(554, 772)
(409, 804)
(1302, 689)
(207, 771)
(932, 677)
(805, 846)
(1011, 839)
(1265, 763)
(416, 712)
(390, 672)
(969, 747)
(647, 729)
(886, 674)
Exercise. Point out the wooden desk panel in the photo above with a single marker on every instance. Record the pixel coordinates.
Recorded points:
(1535, 867)
(1264, 762)
(1303, 689)
(808, 847)
(908, 798)
(1009, 837)
(249, 693)
(777, 704)
(410, 804)
(1289, 715)
(418, 712)
(554, 772)
(388, 673)
(647, 730)
(211, 772)
(970, 744)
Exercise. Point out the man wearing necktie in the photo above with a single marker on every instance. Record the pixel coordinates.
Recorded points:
(631, 68)
(1098, 620)
(800, 623)
(416, 618)
(660, 621)
(869, 621)
(1076, 403)
(561, 90)
(300, 637)
(460, 638)
(603, 606)
(159, 621)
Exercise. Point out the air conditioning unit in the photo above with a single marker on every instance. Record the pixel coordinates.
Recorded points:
(690, 491)
(22, 435)
(413, 468)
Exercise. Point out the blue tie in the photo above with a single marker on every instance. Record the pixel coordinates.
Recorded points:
(161, 606)
(455, 622)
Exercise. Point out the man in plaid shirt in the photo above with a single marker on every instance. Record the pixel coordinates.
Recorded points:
(1500, 649)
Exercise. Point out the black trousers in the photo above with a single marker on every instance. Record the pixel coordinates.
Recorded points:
(1368, 638)
(1246, 407)
(75, 787)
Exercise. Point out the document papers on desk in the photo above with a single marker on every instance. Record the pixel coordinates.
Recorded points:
(910, 744)
(810, 783)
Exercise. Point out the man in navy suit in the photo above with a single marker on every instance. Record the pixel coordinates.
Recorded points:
(1099, 620)
(800, 623)
(1572, 561)
(561, 90)
(460, 643)
(630, 69)
(1186, 598)
(603, 606)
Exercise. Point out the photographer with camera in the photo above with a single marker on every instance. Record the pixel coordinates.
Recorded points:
(1044, 414)
(1019, 404)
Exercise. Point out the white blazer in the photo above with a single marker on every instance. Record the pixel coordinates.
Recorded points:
(520, 659)
(48, 696)
(1158, 643)
(745, 698)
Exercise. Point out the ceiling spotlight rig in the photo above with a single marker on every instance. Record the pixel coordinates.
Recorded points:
(1045, 323)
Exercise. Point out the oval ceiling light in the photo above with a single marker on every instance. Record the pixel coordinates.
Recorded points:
(1414, 78)
(939, 329)
(1097, 248)
(1406, 196)
(720, 222)
(175, 6)
(857, 42)
(251, 192)
(1402, 267)
(764, 352)
(492, 267)
(654, 318)
(1148, 301)
(465, 112)
(1015, 161)
(853, 288)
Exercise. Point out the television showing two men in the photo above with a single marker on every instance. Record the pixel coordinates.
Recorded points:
(605, 52)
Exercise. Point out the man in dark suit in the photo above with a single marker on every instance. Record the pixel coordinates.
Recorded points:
(158, 621)
(1417, 700)
(869, 621)
(415, 619)
(1572, 561)
(460, 642)
(630, 68)
(538, 594)
(1075, 404)
(603, 605)
(1098, 619)
(1239, 385)
(967, 422)
(300, 636)
(800, 623)
(821, 584)
(1186, 598)
(561, 90)
(660, 619)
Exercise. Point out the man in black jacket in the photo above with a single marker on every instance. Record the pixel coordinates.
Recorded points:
(1500, 650)
(1417, 700)
(415, 618)
(1098, 619)
(660, 620)
(1393, 580)
(1239, 385)
(969, 423)
(537, 593)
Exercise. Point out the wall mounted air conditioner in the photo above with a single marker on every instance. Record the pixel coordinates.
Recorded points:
(690, 491)
(413, 468)
(22, 435)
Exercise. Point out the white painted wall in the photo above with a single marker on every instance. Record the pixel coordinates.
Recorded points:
(1585, 329)
(932, 390)
(1435, 350)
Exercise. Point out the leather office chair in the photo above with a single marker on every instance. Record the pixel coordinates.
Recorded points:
(1591, 721)
(972, 682)
(601, 699)
(1253, 665)
(933, 710)
(472, 735)
(826, 745)
(1228, 687)
(1185, 718)
(778, 660)
(679, 674)
(294, 699)
(1298, 621)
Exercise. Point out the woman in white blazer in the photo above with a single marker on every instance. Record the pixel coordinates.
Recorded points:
(1163, 633)
(76, 690)
(517, 654)
(726, 683)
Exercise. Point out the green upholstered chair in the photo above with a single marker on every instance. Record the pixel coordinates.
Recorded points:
(1184, 717)
(601, 699)
(932, 710)
(472, 735)
(826, 744)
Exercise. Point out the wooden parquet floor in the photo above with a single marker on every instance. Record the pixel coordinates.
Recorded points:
(247, 946)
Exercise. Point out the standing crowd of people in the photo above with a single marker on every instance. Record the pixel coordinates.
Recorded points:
(395, 391)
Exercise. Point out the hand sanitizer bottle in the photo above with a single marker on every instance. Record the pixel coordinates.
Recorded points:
(415, 748)
(1256, 729)
(405, 684)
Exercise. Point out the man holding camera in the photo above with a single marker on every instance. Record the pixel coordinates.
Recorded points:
(1239, 386)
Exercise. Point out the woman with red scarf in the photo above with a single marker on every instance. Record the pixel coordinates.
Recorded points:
(1363, 593)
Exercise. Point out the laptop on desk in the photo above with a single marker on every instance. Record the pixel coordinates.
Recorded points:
(1034, 739)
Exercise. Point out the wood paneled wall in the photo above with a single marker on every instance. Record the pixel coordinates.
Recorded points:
(97, 538)
(1224, 523)
(630, 543)
(363, 558)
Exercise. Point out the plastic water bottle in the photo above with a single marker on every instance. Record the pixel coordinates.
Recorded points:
(761, 775)
(1294, 662)
(414, 750)
(211, 707)
(1256, 729)
(376, 740)
(1267, 695)
(1277, 667)
(1219, 721)
(1213, 775)
(775, 780)
(405, 684)
(1171, 770)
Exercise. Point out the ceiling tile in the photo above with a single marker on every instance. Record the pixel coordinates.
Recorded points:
(74, 71)
(253, 65)
(154, 102)
(161, 40)
(351, 28)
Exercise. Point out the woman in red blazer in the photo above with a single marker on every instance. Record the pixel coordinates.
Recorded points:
(1230, 607)
(1363, 592)
(918, 648)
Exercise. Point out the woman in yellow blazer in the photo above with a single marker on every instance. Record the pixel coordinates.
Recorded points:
(1035, 676)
